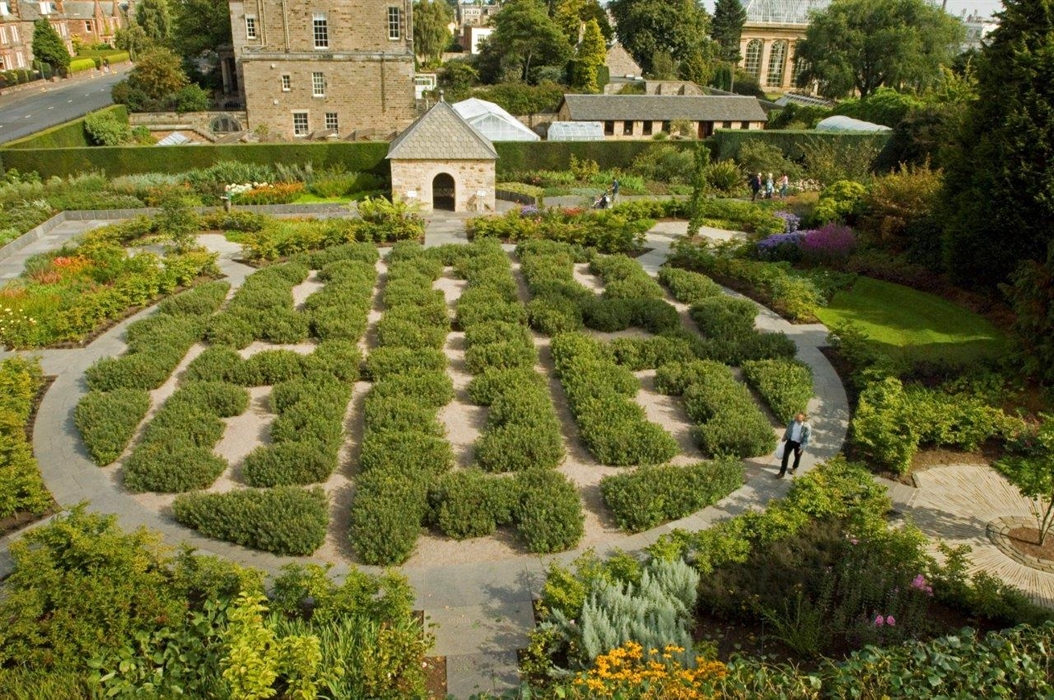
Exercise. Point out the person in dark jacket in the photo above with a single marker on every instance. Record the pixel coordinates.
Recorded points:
(796, 437)
(755, 186)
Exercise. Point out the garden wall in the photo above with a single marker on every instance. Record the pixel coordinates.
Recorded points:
(360, 156)
(68, 135)
(726, 143)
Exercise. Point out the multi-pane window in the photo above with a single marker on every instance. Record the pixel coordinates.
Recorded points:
(777, 64)
(250, 27)
(318, 85)
(287, 83)
(20, 59)
(752, 62)
(627, 128)
(3, 35)
(320, 30)
(331, 121)
(647, 128)
(88, 27)
(394, 23)
(14, 35)
(299, 123)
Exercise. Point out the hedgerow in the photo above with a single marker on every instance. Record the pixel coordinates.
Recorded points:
(728, 422)
(686, 286)
(469, 503)
(202, 300)
(21, 488)
(262, 309)
(600, 394)
(784, 385)
(549, 514)
(155, 346)
(284, 520)
(652, 495)
(403, 447)
(651, 353)
(485, 388)
(175, 452)
(285, 463)
(107, 421)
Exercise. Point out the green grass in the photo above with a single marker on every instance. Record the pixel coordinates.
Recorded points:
(914, 325)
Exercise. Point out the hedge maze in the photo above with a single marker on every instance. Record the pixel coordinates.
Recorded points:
(307, 361)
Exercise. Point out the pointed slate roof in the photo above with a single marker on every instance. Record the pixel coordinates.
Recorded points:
(441, 134)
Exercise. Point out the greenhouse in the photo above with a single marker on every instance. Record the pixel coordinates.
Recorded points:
(493, 122)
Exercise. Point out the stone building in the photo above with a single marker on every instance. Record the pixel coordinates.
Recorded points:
(335, 66)
(93, 21)
(643, 116)
(16, 30)
(441, 162)
(770, 35)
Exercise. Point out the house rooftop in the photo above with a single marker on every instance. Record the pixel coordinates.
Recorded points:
(441, 134)
(699, 108)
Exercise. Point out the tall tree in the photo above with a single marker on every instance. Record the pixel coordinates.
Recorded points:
(727, 28)
(199, 27)
(48, 46)
(524, 37)
(431, 29)
(132, 39)
(999, 177)
(155, 17)
(644, 27)
(864, 44)
(589, 57)
(570, 15)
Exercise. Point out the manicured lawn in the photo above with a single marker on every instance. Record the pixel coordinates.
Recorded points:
(912, 324)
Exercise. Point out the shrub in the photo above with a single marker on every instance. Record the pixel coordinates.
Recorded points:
(171, 467)
(785, 385)
(386, 516)
(428, 388)
(554, 315)
(485, 388)
(520, 446)
(21, 488)
(284, 520)
(339, 358)
(617, 432)
(688, 287)
(107, 421)
(467, 503)
(651, 353)
(408, 453)
(411, 333)
(401, 414)
(222, 399)
(384, 362)
(270, 367)
(202, 300)
(287, 463)
(307, 420)
(549, 513)
(729, 423)
(500, 355)
(219, 363)
(723, 316)
(650, 496)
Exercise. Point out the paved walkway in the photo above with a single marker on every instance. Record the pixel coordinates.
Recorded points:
(483, 612)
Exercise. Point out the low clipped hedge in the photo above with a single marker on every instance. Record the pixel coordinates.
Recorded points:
(686, 286)
(286, 463)
(202, 300)
(385, 362)
(485, 388)
(107, 421)
(155, 346)
(728, 422)
(284, 520)
(386, 516)
(784, 385)
(549, 514)
(600, 394)
(651, 353)
(428, 387)
(731, 336)
(651, 495)
(21, 488)
(262, 309)
(175, 453)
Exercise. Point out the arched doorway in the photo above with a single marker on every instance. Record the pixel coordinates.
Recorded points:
(443, 192)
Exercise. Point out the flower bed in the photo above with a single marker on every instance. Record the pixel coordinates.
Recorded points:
(21, 488)
(607, 231)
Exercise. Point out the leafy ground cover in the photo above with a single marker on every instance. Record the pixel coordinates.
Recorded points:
(22, 490)
(913, 325)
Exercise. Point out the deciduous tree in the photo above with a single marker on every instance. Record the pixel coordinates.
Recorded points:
(199, 27)
(999, 178)
(1033, 475)
(524, 37)
(431, 29)
(864, 44)
(644, 27)
(155, 17)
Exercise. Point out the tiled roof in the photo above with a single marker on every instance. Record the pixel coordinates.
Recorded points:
(697, 108)
(441, 134)
(80, 10)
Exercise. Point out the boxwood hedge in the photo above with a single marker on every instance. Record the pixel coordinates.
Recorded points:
(284, 520)
(728, 421)
(651, 495)
(686, 286)
(469, 503)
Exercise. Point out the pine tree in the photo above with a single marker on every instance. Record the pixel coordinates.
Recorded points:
(700, 190)
(48, 46)
(591, 54)
(155, 17)
(727, 28)
(998, 194)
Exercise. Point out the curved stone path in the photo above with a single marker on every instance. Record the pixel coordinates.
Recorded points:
(483, 611)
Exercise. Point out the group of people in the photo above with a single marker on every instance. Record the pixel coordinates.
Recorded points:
(767, 187)
(607, 200)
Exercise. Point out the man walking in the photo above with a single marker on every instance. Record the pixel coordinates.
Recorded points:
(614, 191)
(797, 438)
(755, 186)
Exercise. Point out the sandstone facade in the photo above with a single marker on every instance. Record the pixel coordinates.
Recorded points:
(306, 66)
(474, 182)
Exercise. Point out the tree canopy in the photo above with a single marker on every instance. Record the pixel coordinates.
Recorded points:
(155, 17)
(863, 45)
(727, 28)
(48, 46)
(569, 15)
(648, 27)
(524, 38)
(199, 27)
(999, 179)
(431, 30)
(589, 57)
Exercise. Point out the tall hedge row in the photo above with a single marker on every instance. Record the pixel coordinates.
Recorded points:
(726, 143)
(67, 136)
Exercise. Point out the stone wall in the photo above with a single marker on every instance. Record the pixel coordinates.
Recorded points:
(412, 181)
(364, 93)
(173, 121)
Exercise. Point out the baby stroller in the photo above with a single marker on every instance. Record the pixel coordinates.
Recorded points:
(602, 202)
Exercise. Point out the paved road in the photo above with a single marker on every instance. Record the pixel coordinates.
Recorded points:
(32, 110)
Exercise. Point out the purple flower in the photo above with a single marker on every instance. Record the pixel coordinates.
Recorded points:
(829, 242)
(529, 210)
(919, 583)
(790, 221)
(879, 621)
(890, 621)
